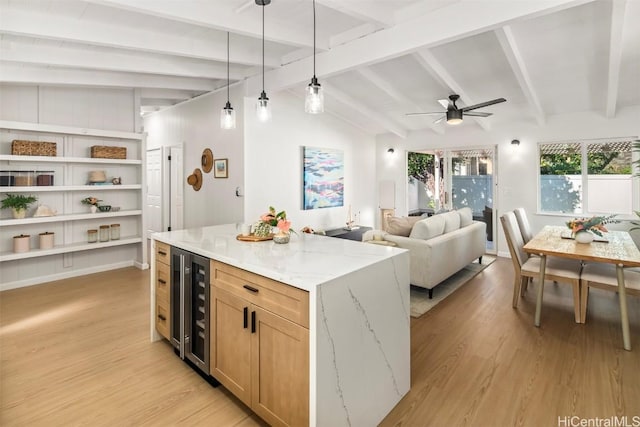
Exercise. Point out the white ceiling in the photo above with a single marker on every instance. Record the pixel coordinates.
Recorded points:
(376, 59)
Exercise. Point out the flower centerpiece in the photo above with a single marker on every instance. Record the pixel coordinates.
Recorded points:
(582, 228)
(264, 227)
(93, 203)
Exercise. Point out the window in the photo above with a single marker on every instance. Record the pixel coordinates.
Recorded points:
(586, 177)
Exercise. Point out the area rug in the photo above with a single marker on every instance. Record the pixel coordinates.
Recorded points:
(420, 302)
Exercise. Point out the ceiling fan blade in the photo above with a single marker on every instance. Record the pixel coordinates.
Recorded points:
(478, 114)
(484, 104)
(444, 103)
(439, 120)
(424, 114)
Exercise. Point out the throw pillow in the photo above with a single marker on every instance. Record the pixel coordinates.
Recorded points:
(401, 226)
(428, 228)
(451, 221)
(466, 216)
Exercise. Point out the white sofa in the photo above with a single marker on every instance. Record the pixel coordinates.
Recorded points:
(439, 245)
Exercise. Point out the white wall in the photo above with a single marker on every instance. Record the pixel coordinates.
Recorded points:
(516, 170)
(110, 109)
(195, 125)
(273, 164)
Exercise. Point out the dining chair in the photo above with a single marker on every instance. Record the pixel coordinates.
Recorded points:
(604, 276)
(523, 223)
(557, 269)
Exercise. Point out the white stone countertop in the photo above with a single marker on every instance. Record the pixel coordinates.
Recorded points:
(305, 262)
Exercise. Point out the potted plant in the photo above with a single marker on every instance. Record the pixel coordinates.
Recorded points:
(18, 204)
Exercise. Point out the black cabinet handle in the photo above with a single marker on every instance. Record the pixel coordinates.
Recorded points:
(253, 322)
(246, 317)
(164, 282)
(161, 317)
(251, 288)
(162, 253)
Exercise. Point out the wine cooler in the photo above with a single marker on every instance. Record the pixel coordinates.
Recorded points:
(190, 307)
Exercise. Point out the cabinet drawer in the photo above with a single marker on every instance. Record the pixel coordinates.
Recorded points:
(163, 277)
(284, 300)
(163, 253)
(162, 319)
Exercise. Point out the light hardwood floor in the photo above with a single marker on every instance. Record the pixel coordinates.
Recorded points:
(77, 352)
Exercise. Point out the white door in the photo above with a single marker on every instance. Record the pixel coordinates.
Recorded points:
(176, 190)
(154, 191)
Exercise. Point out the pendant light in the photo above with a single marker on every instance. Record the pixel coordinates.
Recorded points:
(314, 99)
(228, 114)
(263, 109)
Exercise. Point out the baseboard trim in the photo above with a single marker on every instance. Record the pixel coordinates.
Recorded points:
(67, 274)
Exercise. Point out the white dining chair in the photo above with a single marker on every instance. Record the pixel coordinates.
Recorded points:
(523, 224)
(559, 270)
(604, 276)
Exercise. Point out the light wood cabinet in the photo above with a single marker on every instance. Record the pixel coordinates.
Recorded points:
(260, 343)
(162, 288)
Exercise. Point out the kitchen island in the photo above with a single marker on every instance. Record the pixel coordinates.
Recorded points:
(358, 314)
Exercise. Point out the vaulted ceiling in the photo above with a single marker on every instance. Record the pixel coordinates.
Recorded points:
(376, 59)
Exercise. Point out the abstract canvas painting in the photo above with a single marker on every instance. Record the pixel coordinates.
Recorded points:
(323, 178)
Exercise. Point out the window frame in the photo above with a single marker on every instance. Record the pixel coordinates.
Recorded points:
(584, 143)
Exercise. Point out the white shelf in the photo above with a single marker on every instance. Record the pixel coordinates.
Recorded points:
(68, 217)
(75, 141)
(62, 249)
(51, 159)
(44, 128)
(51, 188)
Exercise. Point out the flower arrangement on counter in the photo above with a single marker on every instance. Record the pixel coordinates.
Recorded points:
(90, 201)
(272, 219)
(595, 224)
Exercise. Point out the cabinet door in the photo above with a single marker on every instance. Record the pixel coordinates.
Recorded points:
(230, 348)
(280, 370)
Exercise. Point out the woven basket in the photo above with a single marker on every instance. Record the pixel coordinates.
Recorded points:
(104, 152)
(33, 148)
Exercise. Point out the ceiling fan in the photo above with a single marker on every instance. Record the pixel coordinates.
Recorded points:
(454, 114)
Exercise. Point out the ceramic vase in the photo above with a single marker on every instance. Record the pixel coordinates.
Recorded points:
(18, 213)
(262, 229)
(93, 208)
(281, 237)
(584, 237)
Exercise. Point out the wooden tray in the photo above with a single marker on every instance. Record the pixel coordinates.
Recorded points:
(253, 238)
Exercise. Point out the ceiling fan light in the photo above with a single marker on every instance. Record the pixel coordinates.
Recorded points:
(454, 117)
(263, 108)
(228, 117)
(314, 98)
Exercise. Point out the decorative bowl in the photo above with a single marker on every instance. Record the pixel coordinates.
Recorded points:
(104, 208)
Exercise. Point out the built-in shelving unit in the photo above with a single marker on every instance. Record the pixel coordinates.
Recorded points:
(72, 247)
(70, 169)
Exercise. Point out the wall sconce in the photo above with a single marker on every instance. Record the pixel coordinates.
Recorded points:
(390, 151)
(515, 143)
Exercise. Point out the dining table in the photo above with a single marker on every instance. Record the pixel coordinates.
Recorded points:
(613, 247)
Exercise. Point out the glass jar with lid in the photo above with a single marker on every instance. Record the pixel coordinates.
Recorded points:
(115, 231)
(92, 236)
(104, 233)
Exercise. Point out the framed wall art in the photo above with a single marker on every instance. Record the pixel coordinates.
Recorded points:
(221, 168)
(323, 178)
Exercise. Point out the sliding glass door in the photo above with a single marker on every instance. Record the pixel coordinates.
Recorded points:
(442, 180)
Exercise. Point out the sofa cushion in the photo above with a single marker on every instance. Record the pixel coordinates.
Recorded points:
(451, 221)
(466, 216)
(428, 228)
(401, 226)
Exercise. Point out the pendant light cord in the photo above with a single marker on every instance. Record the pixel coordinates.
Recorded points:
(263, 47)
(228, 82)
(314, 38)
